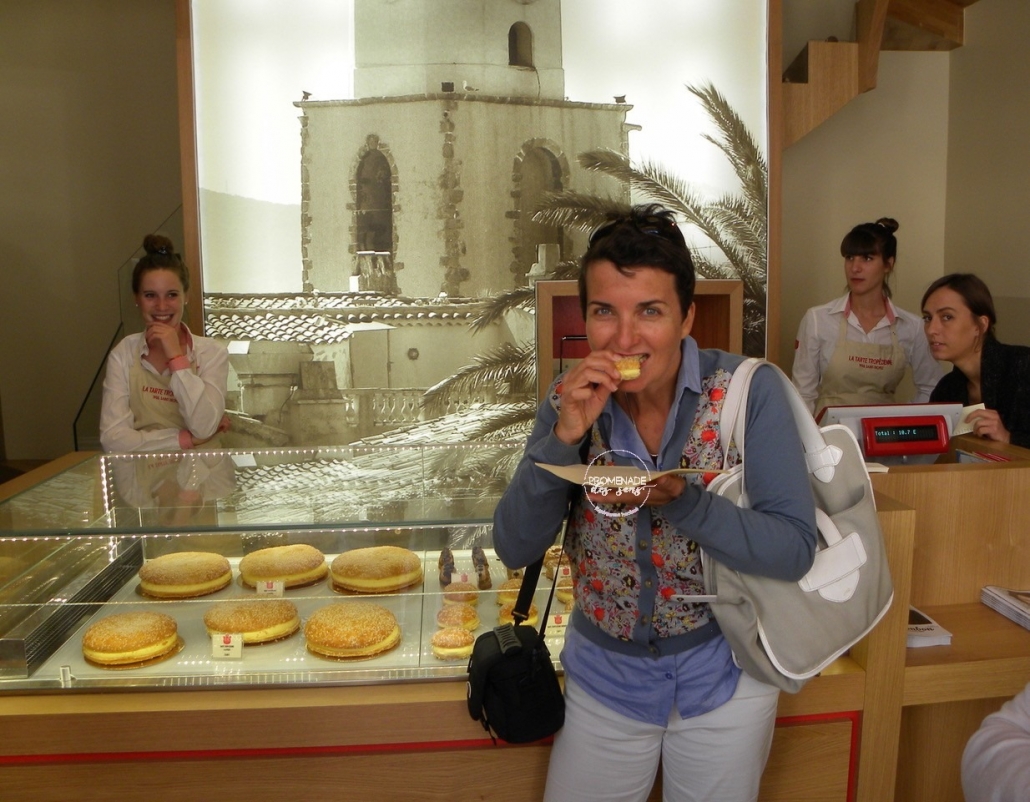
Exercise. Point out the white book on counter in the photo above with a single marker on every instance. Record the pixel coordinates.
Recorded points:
(1013, 604)
(924, 631)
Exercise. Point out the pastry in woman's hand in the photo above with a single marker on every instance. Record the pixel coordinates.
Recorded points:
(628, 367)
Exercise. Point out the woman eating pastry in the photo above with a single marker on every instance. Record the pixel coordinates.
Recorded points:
(648, 674)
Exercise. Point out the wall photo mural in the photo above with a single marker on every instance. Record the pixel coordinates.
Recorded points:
(381, 182)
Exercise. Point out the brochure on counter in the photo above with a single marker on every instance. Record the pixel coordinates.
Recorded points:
(1013, 604)
(924, 631)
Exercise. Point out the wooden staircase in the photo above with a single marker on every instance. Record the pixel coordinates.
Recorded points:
(827, 75)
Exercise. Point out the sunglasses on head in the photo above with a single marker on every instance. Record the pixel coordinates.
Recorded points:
(651, 225)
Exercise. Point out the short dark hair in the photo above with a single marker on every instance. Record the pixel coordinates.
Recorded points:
(974, 293)
(872, 239)
(644, 236)
(160, 255)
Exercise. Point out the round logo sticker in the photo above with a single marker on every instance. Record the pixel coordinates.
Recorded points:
(616, 487)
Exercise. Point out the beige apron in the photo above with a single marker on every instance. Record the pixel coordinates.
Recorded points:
(153, 404)
(861, 373)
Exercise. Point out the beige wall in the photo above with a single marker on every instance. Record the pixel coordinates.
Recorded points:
(883, 155)
(89, 164)
(989, 159)
(940, 144)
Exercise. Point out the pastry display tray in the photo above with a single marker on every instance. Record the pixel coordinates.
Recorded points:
(286, 662)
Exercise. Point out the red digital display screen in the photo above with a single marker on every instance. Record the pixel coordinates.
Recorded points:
(902, 435)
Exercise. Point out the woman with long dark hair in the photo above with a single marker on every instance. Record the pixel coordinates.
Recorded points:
(958, 319)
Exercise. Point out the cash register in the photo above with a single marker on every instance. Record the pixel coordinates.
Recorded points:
(898, 434)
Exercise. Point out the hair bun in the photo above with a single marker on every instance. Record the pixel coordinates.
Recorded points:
(889, 223)
(155, 243)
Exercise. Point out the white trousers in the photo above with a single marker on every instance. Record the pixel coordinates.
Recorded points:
(602, 756)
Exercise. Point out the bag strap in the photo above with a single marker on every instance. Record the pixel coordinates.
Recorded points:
(532, 574)
(822, 459)
(525, 598)
(529, 581)
(733, 416)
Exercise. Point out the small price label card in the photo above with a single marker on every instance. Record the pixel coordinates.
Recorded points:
(227, 645)
(464, 576)
(270, 587)
(558, 621)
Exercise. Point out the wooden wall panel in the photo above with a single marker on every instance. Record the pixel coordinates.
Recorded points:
(970, 528)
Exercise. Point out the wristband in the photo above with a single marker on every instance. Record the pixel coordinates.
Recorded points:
(178, 363)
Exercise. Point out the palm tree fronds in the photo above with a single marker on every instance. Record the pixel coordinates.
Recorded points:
(507, 368)
(570, 209)
(735, 141)
(735, 224)
(510, 422)
(564, 270)
(497, 306)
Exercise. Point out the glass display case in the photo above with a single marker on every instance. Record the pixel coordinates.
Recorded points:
(72, 546)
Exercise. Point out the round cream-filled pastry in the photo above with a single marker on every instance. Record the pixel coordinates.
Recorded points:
(506, 615)
(555, 560)
(463, 616)
(563, 590)
(509, 590)
(461, 593)
(257, 620)
(184, 574)
(352, 629)
(377, 569)
(127, 638)
(296, 564)
(453, 643)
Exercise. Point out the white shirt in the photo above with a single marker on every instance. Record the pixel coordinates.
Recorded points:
(996, 761)
(200, 395)
(817, 340)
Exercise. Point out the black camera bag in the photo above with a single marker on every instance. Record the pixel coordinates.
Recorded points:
(513, 687)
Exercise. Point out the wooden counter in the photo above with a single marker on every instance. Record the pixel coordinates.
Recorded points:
(835, 741)
(972, 529)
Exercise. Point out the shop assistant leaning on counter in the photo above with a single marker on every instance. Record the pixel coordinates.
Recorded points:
(959, 320)
(164, 389)
(648, 674)
(854, 350)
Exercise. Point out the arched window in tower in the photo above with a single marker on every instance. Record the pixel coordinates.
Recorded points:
(520, 45)
(541, 173)
(374, 224)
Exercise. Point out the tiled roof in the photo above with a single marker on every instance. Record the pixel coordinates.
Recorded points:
(324, 317)
(272, 327)
(356, 302)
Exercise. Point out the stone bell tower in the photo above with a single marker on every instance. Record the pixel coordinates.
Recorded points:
(426, 182)
(501, 48)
